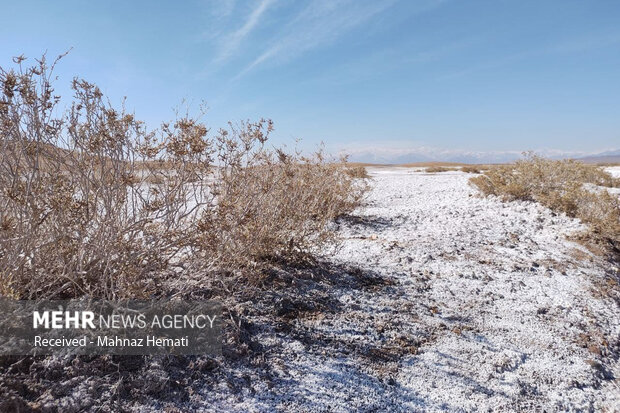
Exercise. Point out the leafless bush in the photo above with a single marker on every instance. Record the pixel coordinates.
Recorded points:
(93, 204)
(470, 169)
(272, 204)
(436, 169)
(358, 172)
(566, 186)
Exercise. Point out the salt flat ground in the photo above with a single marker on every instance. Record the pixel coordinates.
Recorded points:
(614, 170)
(486, 306)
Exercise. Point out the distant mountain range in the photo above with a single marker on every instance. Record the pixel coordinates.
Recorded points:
(603, 157)
(425, 154)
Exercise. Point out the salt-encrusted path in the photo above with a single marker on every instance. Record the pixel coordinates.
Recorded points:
(485, 306)
(519, 322)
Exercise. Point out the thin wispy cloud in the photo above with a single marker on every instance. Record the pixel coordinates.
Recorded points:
(232, 41)
(319, 24)
(387, 61)
(221, 8)
(216, 11)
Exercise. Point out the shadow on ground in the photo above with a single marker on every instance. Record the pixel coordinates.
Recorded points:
(259, 318)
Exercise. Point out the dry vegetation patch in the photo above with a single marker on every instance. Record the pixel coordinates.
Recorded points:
(471, 169)
(436, 169)
(566, 186)
(358, 171)
(92, 203)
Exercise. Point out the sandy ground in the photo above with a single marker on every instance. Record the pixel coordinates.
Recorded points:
(486, 306)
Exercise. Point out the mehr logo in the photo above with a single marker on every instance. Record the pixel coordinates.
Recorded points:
(63, 319)
(110, 327)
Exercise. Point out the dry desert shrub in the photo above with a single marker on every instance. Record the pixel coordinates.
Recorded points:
(567, 186)
(93, 204)
(272, 204)
(436, 169)
(77, 217)
(358, 171)
(470, 169)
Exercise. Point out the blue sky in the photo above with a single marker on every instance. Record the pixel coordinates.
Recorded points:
(374, 78)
